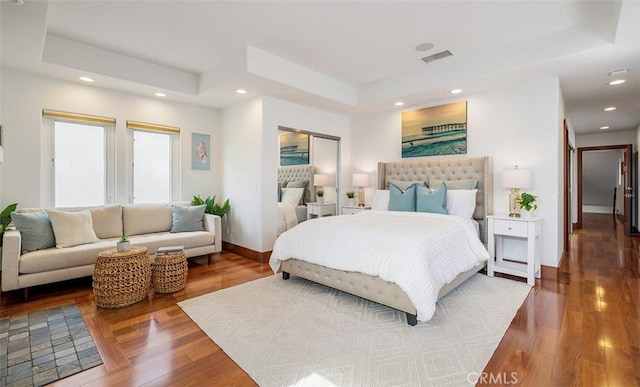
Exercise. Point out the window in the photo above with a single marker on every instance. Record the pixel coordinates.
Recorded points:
(81, 159)
(79, 164)
(151, 167)
(155, 171)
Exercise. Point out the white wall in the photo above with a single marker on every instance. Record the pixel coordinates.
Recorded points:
(520, 125)
(242, 169)
(599, 177)
(25, 175)
(606, 138)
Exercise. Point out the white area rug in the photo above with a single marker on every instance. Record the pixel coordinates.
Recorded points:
(295, 332)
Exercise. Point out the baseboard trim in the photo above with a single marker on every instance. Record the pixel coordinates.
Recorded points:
(260, 257)
(549, 272)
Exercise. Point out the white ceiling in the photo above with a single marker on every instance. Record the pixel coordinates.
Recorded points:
(351, 57)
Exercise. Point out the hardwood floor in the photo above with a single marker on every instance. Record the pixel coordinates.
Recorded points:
(581, 329)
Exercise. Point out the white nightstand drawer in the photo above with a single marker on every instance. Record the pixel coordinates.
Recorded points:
(510, 227)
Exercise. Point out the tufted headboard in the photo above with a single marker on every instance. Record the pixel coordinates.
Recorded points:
(299, 173)
(479, 168)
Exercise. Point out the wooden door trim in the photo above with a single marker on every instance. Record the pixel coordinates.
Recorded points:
(627, 147)
(567, 174)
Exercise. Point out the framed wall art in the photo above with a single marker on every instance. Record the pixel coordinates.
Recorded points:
(200, 151)
(437, 130)
(294, 149)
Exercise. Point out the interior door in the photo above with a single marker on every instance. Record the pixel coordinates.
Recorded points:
(628, 188)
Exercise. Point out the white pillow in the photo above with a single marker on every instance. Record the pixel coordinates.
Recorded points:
(72, 228)
(292, 195)
(380, 200)
(461, 202)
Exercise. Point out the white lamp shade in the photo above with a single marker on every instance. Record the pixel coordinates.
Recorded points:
(516, 178)
(320, 180)
(360, 179)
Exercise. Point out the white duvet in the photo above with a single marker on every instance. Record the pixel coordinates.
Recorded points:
(287, 217)
(421, 252)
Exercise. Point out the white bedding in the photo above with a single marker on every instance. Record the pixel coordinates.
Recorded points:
(421, 252)
(287, 217)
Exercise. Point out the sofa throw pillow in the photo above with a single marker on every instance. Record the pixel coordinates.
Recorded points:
(187, 218)
(72, 228)
(402, 200)
(434, 202)
(107, 221)
(35, 230)
(454, 184)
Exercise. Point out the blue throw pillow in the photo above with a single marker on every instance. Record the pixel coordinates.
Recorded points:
(279, 192)
(434, 202)
(402, 201)
(35, 229)
(187, 219)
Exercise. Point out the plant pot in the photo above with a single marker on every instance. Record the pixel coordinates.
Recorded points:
(123, 246)
(526, 214)
(320, 199)
(351, 202)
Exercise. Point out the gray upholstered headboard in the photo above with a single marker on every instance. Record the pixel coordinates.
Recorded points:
(479, 168)
(299, 173)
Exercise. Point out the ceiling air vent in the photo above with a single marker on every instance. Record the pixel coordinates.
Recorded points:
(436, 56)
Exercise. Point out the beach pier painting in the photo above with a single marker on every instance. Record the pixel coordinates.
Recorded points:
(294, 149)
(437, 130)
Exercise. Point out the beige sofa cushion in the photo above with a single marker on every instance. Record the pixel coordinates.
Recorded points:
(140, 219)
(72, 228)
(107, 221)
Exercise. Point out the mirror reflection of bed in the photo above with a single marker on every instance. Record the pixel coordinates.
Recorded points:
(296, 185)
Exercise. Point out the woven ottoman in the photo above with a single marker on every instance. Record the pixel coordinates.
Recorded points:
(121, 279)
(169, 272)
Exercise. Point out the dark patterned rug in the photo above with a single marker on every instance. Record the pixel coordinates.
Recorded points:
(43, 346)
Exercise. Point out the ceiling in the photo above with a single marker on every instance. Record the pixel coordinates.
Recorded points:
(349, 57)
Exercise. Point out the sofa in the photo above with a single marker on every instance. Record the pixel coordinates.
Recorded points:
(80, 233)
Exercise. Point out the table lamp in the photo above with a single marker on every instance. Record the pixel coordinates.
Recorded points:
(515, 179)
(361, 180)
(320, 180)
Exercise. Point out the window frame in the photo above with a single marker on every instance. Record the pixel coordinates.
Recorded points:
(48, 183)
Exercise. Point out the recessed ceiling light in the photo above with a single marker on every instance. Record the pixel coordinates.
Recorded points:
(158, 94)
(86, 79)
(424, 47)
(617, 82)
(610, 109)
(456, 91)
(604, 127)
(399, 103)
(241, 91)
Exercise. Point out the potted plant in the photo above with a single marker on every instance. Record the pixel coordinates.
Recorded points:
(320, 194)
(5, 219)
(350, 196)
(214, 208)
(123, 244)
(527, 204)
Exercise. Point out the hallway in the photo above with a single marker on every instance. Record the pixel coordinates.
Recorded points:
(583, 328)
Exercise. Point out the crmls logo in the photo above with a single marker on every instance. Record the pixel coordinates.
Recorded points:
(503, 378)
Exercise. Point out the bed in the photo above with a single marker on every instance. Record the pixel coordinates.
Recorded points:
(373, 287)
(290, 215)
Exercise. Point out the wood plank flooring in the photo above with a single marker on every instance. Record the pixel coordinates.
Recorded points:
(581, 329)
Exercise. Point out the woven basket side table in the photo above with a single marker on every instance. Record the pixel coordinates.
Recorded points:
(121, 279)
(169, 273)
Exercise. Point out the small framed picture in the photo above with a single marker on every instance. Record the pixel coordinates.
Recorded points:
(200, 151)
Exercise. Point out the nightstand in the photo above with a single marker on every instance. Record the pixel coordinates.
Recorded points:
(318, 210)
(527, 230)
(350, 210)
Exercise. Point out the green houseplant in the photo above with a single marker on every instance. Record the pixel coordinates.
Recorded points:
(320, 194)
(5, 219)
(527, 202)
(211, 206)
(350, 196)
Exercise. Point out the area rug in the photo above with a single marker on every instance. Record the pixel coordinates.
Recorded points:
(295, 333)
(46, 345)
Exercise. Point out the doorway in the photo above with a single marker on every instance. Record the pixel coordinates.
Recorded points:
(623, 195)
